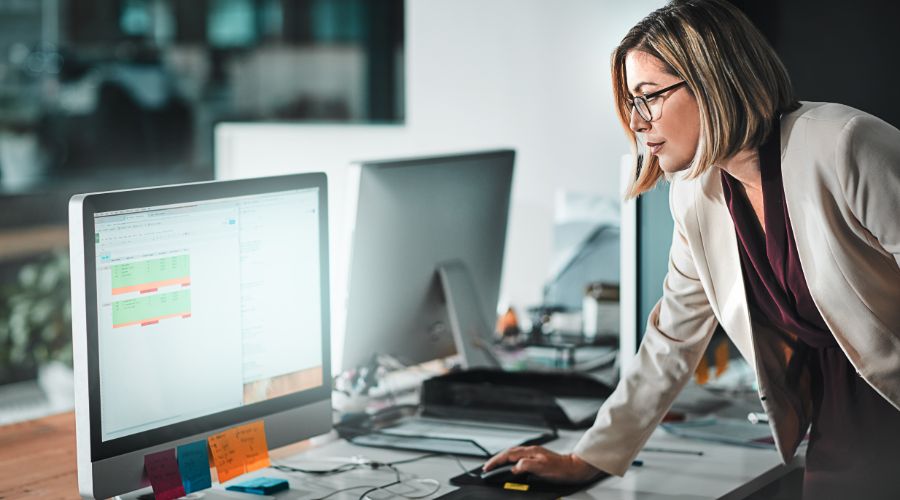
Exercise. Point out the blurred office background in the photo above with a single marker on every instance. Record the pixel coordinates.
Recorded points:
(103, 94)
(106, 94)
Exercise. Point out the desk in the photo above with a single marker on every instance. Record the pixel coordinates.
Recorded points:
(37, 460)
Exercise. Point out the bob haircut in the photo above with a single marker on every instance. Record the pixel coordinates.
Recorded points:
(739, 82)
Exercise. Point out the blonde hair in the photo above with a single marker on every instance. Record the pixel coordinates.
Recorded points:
(739, 82)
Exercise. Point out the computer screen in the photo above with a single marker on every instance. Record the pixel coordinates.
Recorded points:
(414, 218)
(647, 229)
(197, 307)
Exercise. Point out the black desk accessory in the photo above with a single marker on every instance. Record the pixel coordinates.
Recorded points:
(522, 486)
(526, 397)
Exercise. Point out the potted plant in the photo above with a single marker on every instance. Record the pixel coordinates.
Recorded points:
(36, 326)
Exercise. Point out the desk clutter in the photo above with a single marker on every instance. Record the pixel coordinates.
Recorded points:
(176, 472)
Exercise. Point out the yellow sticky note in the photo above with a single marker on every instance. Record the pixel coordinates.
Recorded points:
(254, 452)
(225, 450)
(515, 486)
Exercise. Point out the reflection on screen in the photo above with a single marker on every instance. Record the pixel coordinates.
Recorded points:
(206, 306)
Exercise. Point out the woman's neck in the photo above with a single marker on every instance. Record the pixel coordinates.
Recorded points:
(744, 166)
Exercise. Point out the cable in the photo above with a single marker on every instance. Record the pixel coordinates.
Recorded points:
(352, 466)
(324, 472)
(463, 467)
(416, 459)
(399, 480)
(335, 492)
(376, 488)
(434, 482)
(374, 465)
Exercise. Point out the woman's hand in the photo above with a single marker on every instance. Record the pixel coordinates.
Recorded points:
(540, 461)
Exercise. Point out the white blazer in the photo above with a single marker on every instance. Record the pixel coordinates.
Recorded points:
(841, 174)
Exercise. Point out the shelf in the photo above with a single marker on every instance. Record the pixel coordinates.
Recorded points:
(25, 242)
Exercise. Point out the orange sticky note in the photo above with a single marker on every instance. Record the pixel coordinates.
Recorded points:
(254, 451)
(225, 449)
(239, 450)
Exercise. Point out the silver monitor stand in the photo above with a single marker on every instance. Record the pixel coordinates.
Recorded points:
(471, 332)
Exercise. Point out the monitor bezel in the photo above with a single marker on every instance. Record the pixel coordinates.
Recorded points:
(178, 194)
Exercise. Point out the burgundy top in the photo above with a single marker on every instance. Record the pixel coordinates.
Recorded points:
(854, 445)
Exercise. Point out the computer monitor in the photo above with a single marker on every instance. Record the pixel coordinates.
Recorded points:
(646, 238)
(428, 233)
(195, 308)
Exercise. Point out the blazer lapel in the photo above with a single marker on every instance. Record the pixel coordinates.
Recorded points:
(767, 354)
(718, 241)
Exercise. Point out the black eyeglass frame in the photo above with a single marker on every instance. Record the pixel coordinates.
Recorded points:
(633, 102)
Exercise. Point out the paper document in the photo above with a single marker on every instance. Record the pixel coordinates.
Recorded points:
(579, 409)
(723, 430)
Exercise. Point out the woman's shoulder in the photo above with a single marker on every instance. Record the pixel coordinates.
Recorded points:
(849, 146)
(825, 122)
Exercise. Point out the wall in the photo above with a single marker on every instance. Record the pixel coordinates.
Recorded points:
(836, 51)
(527, 74)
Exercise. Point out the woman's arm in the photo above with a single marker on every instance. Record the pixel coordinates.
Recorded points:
(678, 331)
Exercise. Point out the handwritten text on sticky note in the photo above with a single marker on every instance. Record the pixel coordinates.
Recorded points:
(193, 462)
(224, 449)
(254, 450)
(239, 450)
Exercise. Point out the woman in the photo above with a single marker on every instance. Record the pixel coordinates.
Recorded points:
(786, 234)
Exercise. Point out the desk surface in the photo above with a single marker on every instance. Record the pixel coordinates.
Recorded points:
(37, 460)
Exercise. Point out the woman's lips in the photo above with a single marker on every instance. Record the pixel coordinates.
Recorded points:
(655, 147)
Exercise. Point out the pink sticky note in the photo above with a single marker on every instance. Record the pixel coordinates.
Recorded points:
(165, 478)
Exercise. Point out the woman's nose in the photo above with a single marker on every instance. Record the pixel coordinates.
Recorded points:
(638, 124)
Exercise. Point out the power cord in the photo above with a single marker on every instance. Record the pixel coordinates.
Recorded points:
(377, 465)
(326, 472)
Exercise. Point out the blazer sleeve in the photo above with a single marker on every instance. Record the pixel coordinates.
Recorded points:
(678, 331)
(867, 159)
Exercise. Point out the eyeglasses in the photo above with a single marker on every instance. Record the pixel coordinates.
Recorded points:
(649, 106)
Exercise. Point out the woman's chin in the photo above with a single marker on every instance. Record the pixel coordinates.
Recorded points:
(670, 166)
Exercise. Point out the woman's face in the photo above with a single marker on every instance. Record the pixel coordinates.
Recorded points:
(674, 131)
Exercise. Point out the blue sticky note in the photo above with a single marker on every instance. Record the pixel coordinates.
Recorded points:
(261, 486)
(193, 462)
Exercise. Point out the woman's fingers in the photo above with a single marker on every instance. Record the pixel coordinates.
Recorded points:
(544, 463)
(535, 464)
(498, 459)
(513, 455)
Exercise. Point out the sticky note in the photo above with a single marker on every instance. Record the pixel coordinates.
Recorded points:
(254, 450)
(515, 486)
(193, 463)
(164, 476)
(224, 448)
(239, 450)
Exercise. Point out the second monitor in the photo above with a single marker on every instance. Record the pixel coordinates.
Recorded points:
(429, 235)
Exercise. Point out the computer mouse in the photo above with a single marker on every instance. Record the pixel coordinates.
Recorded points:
(504, 474)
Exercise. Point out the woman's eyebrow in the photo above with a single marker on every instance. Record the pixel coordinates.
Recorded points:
(637, 88)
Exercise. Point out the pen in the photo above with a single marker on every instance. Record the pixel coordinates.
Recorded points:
(672, 450)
